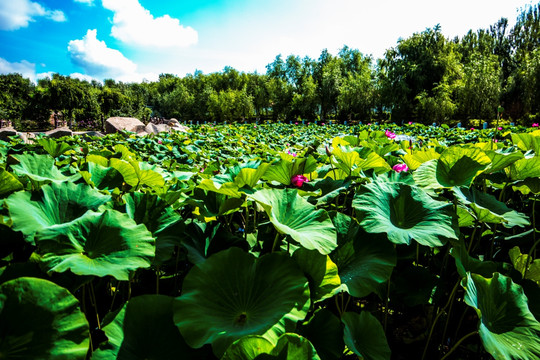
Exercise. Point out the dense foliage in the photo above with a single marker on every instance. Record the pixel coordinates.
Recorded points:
(272, 241)
(425, 78)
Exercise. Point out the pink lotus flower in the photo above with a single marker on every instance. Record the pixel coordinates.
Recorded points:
(495, 140)
(291, 153)
(472, 128)
(298, 180)
(160, 142)
(535, 125)
(296, 123)
(410, 122)
(390, 134)
(499, 128)
(400, 167)
(369, 124)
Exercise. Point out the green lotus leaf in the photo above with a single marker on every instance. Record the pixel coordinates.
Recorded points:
(292, 215)
(325, 332)
(321, 272)
(465, 263)
(457, 166)
(404, 213)
(54, 204)
(329, 188)
(103, 177)
(134, 176)
(289, 347)
(524, 169)
(374, 161)
(144, 329)
(500, 159)
(364, 260)
(98, 244)
(229, 189)
(526, 142)
(54, 148)
(364, 335)
(486, 208)
(159, 218)
(232, 295)
(40, 168)
(527, 186)
(249, 177)
(40, 320)
(529, 268)
(8, 183)
(347, 158)
(280, 171)
(414, 160)
(507, 327)
(249, 347)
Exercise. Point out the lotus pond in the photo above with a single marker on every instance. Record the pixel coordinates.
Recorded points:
(272, 242)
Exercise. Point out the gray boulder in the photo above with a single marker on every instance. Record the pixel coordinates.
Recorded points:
(5, 132)
(152, 128)
(59, 132)
(116, 124)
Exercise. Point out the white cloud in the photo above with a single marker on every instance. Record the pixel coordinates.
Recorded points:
(18, 14)
(82, 77)
(101, 62)
(135, 25)
(25, 68)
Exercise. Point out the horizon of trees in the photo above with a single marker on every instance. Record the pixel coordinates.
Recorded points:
(425, 78)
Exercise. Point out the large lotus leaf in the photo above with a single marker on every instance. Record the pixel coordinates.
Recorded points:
(204, 239)
(374, 161)
(249, 177)
(457, 166)
(103, 177)
(347, 158)
(404, 213)
(232, 295)
(502, 158)
(524, 168)
(364, 335)
(329, 188)
(294, 216)
(488, 209)
(526, 142)
(159, 218)
(364, 261)
(249, 347)
(40, 168)
(98, 244)
(229, 188)
(40, 320)
(134, 176)
(232, 172)
(465, 263)
(8, 183)
(144, 329)
(280, 171)
(529, 268)
(321, 272)
(325, 332)
(54, 204)
(54, 148)
(289, 347)
(414, 160)
(507, 327)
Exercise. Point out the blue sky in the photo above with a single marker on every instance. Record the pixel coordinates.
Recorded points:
(132, 40)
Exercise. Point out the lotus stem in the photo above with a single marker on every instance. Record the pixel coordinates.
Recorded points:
(448, 303)
(94, 303)
(454, 348)
(157, 280)
(386, 301)
(275, 245)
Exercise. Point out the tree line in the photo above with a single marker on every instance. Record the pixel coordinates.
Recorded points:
(425, 78)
